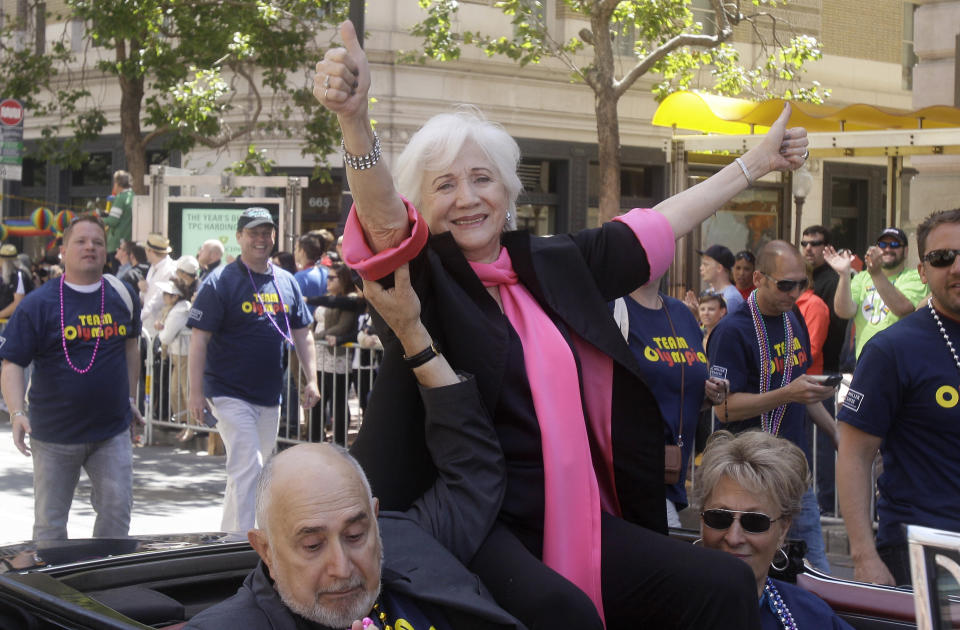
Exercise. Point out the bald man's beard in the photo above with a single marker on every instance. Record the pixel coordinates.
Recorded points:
(348, 610)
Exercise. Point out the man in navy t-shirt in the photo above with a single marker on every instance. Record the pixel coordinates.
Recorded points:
(81, 332)
(240, 320)
(904, 401)
(769, 387)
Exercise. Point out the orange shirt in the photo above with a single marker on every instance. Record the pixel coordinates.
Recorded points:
(816, 314)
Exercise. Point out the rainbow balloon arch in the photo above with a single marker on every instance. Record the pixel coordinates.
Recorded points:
(42, 222)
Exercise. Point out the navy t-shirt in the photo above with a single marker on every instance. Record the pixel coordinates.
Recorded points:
(661, 356)
(906, 390)
(807, 610)
(735, 355)
(245, 353)
(67, 407)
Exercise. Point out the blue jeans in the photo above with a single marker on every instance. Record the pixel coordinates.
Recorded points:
(56, 471)
(806, 527)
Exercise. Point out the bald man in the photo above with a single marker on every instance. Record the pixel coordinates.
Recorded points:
(777, 397)
(328, 560)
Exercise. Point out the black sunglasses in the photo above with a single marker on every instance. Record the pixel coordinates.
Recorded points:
(751, 522)
(811, 243)
(788, 285)
(941, 257)
(886, 244)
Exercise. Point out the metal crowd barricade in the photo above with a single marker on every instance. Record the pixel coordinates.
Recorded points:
(164, 408)
(827, 518)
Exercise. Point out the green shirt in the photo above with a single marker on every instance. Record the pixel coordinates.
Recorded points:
(120, 220)
(872, 314)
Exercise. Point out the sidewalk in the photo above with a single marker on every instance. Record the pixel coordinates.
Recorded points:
(174, 491)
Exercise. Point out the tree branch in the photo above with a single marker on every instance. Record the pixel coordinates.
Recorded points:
(684, 39)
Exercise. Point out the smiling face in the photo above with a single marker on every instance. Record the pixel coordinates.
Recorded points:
(322, 544)
(84, 252)
(468, 200)
(256, 244)
(892, 257)
(944, 282)
(757, 550)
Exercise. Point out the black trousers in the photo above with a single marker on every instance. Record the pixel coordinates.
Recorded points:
(648, 580)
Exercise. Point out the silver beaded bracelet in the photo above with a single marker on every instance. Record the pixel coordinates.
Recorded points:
(362, 162)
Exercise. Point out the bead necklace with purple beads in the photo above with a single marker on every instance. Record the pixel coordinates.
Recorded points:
(770, 420)
(782, 611)
(63, 336)
(288, 336)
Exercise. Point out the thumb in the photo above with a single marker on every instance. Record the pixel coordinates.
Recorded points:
(782, 120)
(348, 33)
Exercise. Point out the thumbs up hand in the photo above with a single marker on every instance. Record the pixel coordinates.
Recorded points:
(342, 81)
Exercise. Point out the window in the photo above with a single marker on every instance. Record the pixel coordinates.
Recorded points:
(703, 13)
(34, 173)
(96, 171)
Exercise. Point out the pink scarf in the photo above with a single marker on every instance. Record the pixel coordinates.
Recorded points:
(571, 536)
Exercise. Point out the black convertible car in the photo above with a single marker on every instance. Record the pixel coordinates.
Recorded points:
(162, 581)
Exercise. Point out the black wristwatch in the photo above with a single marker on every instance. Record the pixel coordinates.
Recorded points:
(422, 357)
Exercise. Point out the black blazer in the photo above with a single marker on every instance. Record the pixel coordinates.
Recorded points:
(573, 277)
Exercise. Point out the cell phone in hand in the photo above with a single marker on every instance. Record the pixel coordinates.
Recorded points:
(830, 380)
(208, 418)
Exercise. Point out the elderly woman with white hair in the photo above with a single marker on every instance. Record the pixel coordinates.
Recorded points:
(577, 541)
(750, 486)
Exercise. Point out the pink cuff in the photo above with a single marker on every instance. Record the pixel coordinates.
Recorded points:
(358, 255)
(653, 231)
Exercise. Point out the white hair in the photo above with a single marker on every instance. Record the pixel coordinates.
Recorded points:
(438, 143)
(214, 244)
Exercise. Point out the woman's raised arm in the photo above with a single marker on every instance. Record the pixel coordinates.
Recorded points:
(781, 149)
(342, 85)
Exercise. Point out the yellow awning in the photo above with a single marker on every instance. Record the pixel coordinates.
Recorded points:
(708, 113)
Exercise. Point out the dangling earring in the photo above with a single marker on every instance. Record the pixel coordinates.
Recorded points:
(786, 561)
(509, 217)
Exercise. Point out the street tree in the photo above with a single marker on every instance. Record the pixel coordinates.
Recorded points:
(666, 41)
(189, 73)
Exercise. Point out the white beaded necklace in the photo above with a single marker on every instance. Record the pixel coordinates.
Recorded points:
(943, 331)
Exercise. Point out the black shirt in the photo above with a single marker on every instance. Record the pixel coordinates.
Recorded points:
(825, 281)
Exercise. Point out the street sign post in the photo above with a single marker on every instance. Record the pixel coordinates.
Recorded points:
(11, 139)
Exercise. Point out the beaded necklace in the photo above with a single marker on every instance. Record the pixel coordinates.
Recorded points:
(381, 614)
(770, 420)
(288, 336)
(943, 331)
(782, 611)
(63, 336)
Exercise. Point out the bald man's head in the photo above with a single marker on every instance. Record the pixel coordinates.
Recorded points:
(780, 277)
(318, 533)
(769, 254)
(299, 467)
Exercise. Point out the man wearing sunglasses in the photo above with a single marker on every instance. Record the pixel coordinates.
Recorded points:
(883, 292)
(905, 401)
(777, 396)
